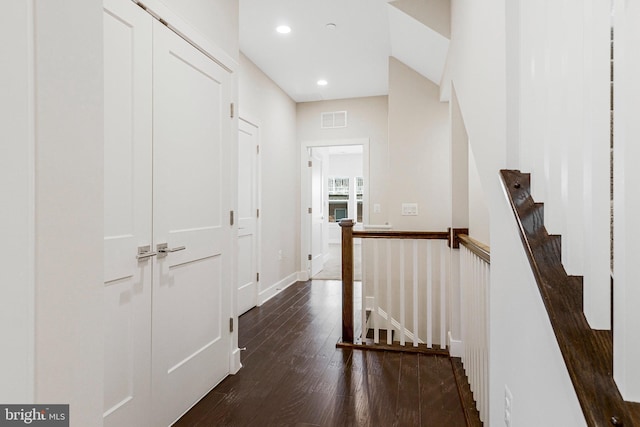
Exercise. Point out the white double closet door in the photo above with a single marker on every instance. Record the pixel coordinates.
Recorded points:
(167, 144)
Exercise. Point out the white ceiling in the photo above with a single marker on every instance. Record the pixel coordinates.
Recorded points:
(353, 57)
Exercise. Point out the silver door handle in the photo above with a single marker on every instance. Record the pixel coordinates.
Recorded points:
(164, 249)
(144, 252)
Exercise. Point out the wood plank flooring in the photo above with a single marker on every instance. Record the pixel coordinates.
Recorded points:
(293, 374)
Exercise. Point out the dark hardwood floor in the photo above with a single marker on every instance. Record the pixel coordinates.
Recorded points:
(293, 374)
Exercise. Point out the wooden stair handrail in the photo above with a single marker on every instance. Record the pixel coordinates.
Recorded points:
(392, 234)
(588, 354)
(480, 249)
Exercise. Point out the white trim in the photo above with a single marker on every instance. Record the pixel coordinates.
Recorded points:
(18, 278)
(31, 147)
(303, 276)
(276, 288)
(456, 347)
(176, 24)
(234, 361)
(305, 190)
(397, 326)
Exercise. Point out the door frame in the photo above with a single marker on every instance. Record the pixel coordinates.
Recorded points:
(305, 193)
(252, 121)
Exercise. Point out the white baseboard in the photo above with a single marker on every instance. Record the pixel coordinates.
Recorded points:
(234, 363)
(456, 348)
(276, 288)
(303, 276)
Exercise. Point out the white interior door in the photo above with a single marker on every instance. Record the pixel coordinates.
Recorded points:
(127, 214)
(317, 215)
(191, 294)
(247, 216)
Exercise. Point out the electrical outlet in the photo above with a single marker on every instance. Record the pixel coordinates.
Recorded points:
(508, 406)
(376, 208)
(280, 255)
(409, 209)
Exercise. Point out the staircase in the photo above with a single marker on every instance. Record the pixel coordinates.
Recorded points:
(588, 354)
(402, 303)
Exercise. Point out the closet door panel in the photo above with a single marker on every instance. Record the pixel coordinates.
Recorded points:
(127, 213)
(191, 294)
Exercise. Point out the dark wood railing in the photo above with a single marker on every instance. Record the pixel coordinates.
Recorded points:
(348, 234)
(588, 354)
(478, 248)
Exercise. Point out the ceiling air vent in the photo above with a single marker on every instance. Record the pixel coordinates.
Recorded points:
(335, 119)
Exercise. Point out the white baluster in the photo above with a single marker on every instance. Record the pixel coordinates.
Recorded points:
(415, 293)
(389, 302)
(429, 295)
(376, 301)
(443, 295)
(364, 291)
(402, 296)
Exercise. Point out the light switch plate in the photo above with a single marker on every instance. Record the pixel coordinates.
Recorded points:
(409, 209)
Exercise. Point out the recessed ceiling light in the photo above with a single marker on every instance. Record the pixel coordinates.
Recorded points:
(322, 82)
(283, 29)
(331, 26)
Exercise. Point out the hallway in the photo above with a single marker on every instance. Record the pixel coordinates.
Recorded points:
(293, 375)
(332, 267)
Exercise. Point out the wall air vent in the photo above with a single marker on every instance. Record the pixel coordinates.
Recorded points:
(335, 119)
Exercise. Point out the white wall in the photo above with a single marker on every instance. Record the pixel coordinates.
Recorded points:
(564, 122)
(419, 151)
(216, 20)
(459, 166)
(479, 217)
(563, 117)
(262, 101)
(469, 202)
(345, 165)
(367, 118)
(435, 14)
(17, 222)
(476, 72)
(477, 68)
(524, 353)
(69, 212)
(548, 130)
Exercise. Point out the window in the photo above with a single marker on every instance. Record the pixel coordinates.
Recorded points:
(338, 199)
(341, 199)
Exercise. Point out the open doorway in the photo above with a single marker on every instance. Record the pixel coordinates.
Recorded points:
(335, 188)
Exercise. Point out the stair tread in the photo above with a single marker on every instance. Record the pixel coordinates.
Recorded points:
(588, 353)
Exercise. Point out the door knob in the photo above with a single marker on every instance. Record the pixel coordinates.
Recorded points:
(144, 252)
(164, 249)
